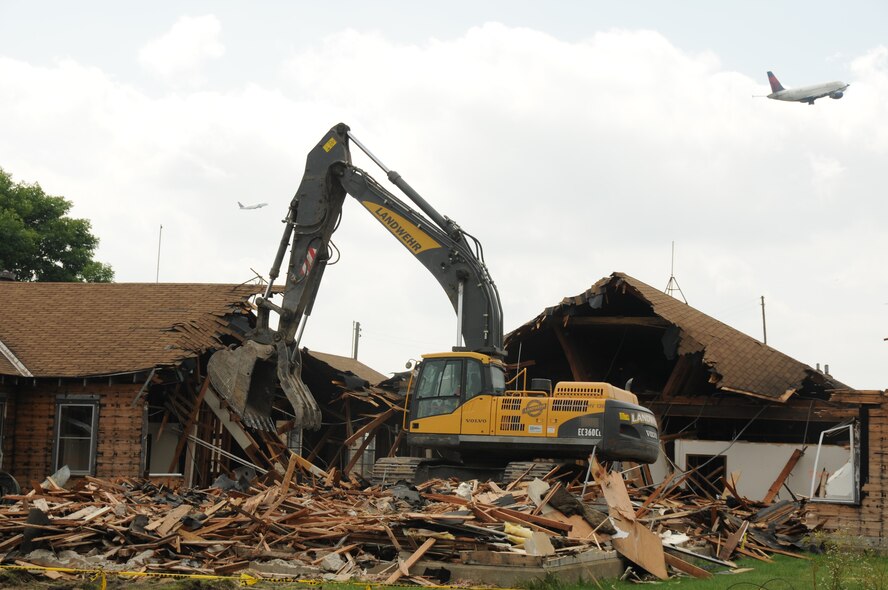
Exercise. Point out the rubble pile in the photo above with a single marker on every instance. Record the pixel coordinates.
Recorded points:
(314, 527)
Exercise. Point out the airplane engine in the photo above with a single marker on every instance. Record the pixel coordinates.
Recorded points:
(836, 95)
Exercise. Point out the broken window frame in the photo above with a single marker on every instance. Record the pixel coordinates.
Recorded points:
(61, 404)
(854, 459)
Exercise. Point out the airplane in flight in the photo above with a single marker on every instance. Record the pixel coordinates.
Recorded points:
(806, 94)
(256, 206)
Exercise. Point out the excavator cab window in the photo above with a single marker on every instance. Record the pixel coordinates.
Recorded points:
(439, 387)
(497, 380)
(474, 379)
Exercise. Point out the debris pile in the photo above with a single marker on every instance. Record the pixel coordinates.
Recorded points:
(304, 525)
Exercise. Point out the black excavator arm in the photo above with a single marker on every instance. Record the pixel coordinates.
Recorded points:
(248, 376)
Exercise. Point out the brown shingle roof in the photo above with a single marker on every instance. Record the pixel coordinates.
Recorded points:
(346, 363)
(88, 329)
(739, 362)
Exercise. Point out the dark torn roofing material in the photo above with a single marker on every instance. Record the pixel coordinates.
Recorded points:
(92, 329)
(346, 363)
(737, 362)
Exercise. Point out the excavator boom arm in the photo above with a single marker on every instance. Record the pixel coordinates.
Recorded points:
(247, 376)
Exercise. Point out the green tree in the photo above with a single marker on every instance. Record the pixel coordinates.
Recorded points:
(39, 242)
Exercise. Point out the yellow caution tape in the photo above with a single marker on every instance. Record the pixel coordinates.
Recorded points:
(242, 580)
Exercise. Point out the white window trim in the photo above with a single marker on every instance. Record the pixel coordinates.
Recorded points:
(93, 442)
(854, 451)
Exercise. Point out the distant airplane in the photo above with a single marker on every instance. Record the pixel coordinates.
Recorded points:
(806, 94)
(256, 206)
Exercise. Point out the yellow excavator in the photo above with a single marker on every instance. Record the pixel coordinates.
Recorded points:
(458, 402)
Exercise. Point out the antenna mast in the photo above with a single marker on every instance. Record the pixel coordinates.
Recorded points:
(672, 286)
(159, 238)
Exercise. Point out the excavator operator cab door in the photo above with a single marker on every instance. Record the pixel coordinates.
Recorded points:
(437, 395)
(454, 395)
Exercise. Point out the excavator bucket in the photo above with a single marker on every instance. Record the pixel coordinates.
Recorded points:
(248, 378)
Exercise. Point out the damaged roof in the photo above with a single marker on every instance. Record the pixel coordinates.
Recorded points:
(350, 365)
(736, 361)
(93, 329)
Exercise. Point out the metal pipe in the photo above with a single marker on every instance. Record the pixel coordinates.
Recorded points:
(279, 257)
(459, 313)
(302, 321)
(408, 190)
(364, 149)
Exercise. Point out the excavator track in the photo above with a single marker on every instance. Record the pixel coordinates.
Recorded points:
(414, 470)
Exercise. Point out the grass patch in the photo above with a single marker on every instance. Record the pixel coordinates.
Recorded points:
(839, 568)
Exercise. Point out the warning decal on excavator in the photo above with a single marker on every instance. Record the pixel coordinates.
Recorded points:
(331, 143)
(411, 236)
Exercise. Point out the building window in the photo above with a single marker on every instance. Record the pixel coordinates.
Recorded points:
(837, 484)
(76, 437)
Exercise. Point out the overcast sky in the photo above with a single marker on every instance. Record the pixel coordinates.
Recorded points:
(574, 139)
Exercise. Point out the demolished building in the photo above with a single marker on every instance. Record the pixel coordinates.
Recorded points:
(110, 381)
(730, 407)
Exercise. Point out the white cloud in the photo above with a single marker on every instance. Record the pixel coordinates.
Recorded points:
(568, 160)
(826, 176)
(181, 51)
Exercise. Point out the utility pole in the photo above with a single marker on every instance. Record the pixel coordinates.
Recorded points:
(764, 327)
(356, 336)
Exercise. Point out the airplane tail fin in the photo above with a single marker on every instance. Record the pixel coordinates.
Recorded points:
(239, 204)
(776, 86)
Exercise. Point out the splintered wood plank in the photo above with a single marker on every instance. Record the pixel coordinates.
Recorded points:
(358, 453)
(343, 549)
(98, 513)
(288, 476)
(632, 540)
(11, 542)
(787, 469)
(732, 541)
(643, 509)
(404, 567)
(310, 467)
(369, 427)
(393, 539)
(614, 490)
(171, 519)
(639, 545)
(186, 428)
(686, 567)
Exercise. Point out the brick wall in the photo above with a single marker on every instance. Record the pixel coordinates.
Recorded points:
(31, 429)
